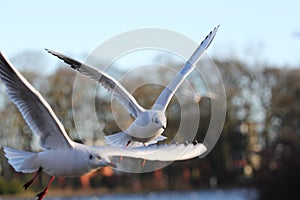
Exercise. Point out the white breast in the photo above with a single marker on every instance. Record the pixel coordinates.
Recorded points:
(64, 162)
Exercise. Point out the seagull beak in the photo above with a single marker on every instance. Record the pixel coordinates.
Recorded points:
(107, 162)
(164, 127)
(110, 164)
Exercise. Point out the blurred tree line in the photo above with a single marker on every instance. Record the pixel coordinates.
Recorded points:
(259, 146)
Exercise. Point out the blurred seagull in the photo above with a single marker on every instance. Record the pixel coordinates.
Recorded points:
(61, 156)
(197, 96)
(148, 124)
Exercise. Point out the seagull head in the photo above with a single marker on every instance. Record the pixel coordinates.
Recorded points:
(95, 160)
(159, 120)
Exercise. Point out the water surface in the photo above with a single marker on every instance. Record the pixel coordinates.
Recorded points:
(233, 194)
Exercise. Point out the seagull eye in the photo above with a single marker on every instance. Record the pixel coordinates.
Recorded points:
(156, 121)
(91, 157)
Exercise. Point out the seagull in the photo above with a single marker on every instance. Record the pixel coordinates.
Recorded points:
(148, 124)
(60, 156)
(197, 96)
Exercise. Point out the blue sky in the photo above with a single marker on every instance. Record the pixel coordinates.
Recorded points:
(262, 31)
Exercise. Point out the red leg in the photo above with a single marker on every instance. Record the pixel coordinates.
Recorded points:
(44, 192)
(121, 157)
(27, 184)
(143, 162)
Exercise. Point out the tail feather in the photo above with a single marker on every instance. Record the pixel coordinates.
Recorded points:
(21, 161)
(121, 139)
(118, 139)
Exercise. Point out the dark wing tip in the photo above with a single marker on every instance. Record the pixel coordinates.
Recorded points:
(4, 63)
(73, 63)
(209, 38)
(2, 57)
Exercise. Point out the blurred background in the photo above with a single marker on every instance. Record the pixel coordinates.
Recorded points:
(256, 51)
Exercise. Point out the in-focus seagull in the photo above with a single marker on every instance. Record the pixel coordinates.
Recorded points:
(148, 124)
(61, 156)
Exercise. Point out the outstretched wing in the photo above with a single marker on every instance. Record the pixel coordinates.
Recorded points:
(164, 152)
(33, 107)
(108, 82)
(167, 94)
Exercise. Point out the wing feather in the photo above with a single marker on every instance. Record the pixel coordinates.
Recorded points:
(163, 152)
(167, 94)
(33, 107)
(108, 82)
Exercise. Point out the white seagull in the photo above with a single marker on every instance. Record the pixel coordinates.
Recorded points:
(61, 156)
(148, 124)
